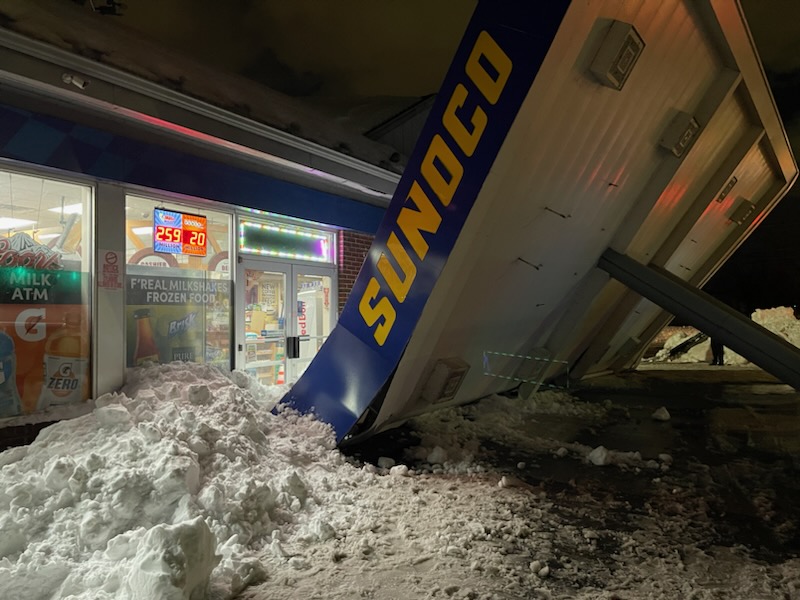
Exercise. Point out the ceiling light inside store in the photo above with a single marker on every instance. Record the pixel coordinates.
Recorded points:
(142, 230)
(47, 236)
(69, 209)
(12, 223)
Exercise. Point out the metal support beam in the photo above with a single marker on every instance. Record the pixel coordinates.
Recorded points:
(757, 344)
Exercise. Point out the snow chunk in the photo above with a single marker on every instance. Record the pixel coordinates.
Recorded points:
(599, 456)
(384, 462)
(437, 455)
(399, 471)
(173, 561)
(661, 414)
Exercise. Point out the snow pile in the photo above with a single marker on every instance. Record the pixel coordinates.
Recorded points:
(698, 353)
(450, 438)
(780, 321)
(184, 485)
(453, 440)
(163, 488)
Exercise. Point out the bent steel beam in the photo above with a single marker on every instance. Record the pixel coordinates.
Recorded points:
(757, 344)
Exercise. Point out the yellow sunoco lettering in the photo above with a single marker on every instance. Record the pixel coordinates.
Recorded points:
(398, 286)
(466, 139)
(440, 152)
(490, 85)
(382, 309)
(413, 222)
(488, 67)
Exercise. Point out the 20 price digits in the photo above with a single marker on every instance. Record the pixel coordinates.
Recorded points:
(194, 238)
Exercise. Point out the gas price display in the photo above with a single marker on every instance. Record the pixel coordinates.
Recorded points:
(179, 233)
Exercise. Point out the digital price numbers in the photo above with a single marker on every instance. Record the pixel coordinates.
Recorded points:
(179, 233)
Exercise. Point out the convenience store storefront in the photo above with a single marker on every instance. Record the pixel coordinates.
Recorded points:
(89, 149)
(87, 176)
(187, 279)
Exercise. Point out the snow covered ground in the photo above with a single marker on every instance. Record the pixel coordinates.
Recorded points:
(185, 486)
(780, 321)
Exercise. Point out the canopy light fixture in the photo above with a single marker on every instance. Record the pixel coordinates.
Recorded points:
(680, 134)
(617, 55)
(742, 212)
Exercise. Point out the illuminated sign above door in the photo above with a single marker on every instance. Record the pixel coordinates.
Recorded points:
(179, 233)
(284, 241)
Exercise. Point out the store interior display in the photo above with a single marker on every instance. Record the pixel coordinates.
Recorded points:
(178, 302)
(265, 326)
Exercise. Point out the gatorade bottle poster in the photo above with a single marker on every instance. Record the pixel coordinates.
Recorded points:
(44, 331)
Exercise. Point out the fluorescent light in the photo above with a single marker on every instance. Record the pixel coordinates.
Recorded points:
(48, 236)
(12, 223)
(69, 209)
(142, 230)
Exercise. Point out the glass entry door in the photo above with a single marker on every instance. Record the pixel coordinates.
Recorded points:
(288, 312)
(264, 304)
(315, 314)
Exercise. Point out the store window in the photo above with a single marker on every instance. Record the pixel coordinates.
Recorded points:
(45, 300)
(178, 283)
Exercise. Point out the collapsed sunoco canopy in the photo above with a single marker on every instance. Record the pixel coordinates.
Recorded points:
(563, 132)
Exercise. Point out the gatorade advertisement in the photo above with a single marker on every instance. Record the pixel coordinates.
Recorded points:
(44, 329)
(65, 365)
(10, 402)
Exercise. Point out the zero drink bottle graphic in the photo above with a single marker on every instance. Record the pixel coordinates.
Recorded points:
(66, 365)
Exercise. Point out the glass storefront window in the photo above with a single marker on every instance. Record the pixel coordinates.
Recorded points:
(178, 303)
(45, 300)
(314, 316)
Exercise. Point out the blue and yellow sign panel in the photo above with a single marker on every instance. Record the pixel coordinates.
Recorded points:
(494, 67)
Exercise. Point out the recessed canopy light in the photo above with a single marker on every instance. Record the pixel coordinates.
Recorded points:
(12, 223)
(69, 209)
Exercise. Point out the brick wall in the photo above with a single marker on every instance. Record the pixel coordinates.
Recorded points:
(353, 248)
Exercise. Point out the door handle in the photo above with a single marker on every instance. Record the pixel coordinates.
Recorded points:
(293, 347)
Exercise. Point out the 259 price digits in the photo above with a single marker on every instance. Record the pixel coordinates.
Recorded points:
(168, 234)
